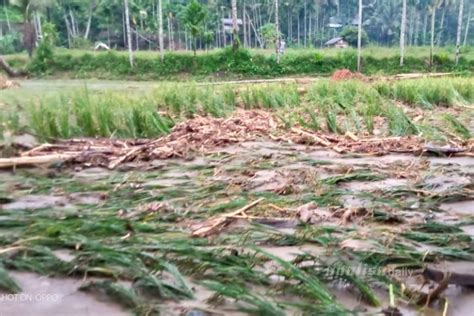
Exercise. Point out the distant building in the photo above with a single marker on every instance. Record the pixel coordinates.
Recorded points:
(228, 24)
(337, 42)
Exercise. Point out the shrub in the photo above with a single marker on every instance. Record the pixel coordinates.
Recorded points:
(43, 60)
(10, 43)
(113, 64)
(81, 43)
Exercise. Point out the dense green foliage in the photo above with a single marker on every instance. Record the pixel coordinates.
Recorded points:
(225, 63)
(349, 34)
(302, 23)
(10, 43)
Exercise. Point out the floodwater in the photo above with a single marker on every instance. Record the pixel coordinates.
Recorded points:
(44, 296)
(263, 167)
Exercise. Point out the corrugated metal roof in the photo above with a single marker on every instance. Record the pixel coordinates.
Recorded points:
(229, 21)
(333, 41)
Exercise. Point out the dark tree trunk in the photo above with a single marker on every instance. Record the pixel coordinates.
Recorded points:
(9, 70)
(29, 38)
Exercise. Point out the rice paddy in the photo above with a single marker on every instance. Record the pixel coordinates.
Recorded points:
(260, 227)
(409, 107)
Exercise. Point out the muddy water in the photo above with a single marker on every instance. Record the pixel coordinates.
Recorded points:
(43, 296)
(462, 207)
(272, 166)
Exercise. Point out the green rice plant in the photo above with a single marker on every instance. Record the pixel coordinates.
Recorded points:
(229, 96)
(39, 259)
(331, 122)
(247, 98)
(289, 119)
(310, 285)
(343, 271)
(459, 128)
(432, 133)
(215, 105)
(428, 92)
(259, 304)
(439, 239)
(152, 283)
(399, 123)
(82, 107)
(7, 284)
(270, 97)
(97, 115)
(127, 298)
(355, 120)
(312, 122)
(10, 121)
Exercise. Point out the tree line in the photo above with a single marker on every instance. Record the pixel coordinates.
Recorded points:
(198, 24)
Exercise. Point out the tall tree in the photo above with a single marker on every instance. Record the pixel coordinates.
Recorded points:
(129, 32)
(277, 27)
(235, 27)
(432, 9)
(160, 28)
(92, 6)
(403, 31)
(468, 22)
(359, 37)
(459, 30)
(194, 16)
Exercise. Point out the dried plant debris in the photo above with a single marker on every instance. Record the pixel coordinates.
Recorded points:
(204, 134)
(7, 84)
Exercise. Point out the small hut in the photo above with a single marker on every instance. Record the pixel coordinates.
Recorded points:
(337, 42)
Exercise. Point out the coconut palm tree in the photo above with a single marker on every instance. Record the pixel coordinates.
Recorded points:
(359, 36)
(129, 32)
(277, 26)
(468, 22)
(235, 27)
(435, 4)
(403, 31)
(160, 28)
(459, 30)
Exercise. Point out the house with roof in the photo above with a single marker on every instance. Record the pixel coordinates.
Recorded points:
(337, 42)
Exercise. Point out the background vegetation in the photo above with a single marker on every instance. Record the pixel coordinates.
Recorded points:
(197, 26)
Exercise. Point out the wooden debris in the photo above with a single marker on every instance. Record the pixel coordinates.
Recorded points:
(7, 84)
(447, 150)
(313, 137)
(204, 134)
(216, 224)
(433, 295)
(461, 279)
(37, 160)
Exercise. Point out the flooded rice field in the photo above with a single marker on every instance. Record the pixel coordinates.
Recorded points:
(260, 227)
